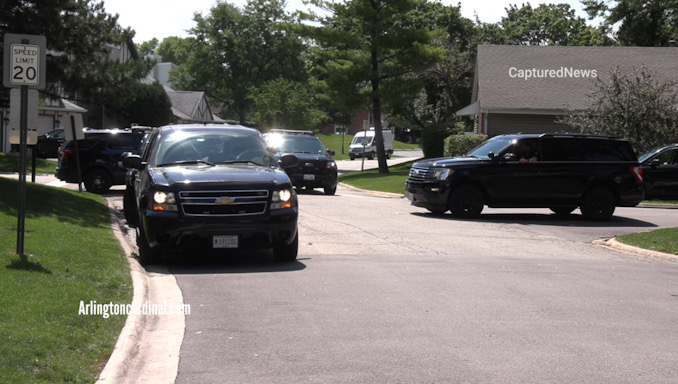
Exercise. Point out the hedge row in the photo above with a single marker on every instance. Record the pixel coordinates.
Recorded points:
(456, 145)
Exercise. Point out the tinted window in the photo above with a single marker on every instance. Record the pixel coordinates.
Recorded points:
(124, 141)
(215, 147)
(578, 149)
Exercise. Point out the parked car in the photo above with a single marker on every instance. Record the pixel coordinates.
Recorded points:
(561, 172)
(48, 144)
(316, 168)
(660, 172)
(363, 144)
(100, 153)
(214, 187)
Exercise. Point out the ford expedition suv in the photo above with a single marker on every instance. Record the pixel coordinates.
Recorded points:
(560, 172)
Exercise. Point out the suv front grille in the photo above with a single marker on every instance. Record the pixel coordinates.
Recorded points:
(421, 174)
(224, 203)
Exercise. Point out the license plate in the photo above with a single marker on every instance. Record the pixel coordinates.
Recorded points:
(309, 177)
(225, 242)
(409, 195)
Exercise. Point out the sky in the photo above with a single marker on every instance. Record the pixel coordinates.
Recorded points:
(164, 18)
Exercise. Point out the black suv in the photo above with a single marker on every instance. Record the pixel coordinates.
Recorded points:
(316, 168)
(100, 154)
(660, 172)
(214, 187)
(557, 171)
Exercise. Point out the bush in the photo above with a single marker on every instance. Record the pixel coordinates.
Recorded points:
(457, 145)
(433, 141)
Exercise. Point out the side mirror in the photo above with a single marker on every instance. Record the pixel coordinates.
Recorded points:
(133, 161)
(288, 161)
(330, 152)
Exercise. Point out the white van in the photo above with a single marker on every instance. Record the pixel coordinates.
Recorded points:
(363, 143)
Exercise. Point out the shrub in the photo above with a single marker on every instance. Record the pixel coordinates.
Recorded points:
(456, 145)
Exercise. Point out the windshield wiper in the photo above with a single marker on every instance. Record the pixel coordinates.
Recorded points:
(185, 162)
(239, 162)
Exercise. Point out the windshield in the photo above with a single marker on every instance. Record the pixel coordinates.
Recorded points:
(362, 140)
(298, 144)
(211, 148)
(495, 145)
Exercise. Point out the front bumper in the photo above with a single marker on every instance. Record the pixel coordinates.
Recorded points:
(313, 180)
(170, 230)
(430, 195)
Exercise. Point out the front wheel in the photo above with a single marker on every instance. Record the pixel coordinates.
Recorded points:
(467, 202)
(147, 254)
(330, 190)
(598, 204)
(287, 252)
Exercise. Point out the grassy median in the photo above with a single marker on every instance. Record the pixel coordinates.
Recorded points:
(661, 240)
(371, 179)
(70, 255)
(334, 142)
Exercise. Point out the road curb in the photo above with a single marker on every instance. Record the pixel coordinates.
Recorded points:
(127, 346)
(375, 193)
(619, 246)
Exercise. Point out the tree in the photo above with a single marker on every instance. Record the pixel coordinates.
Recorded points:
(236, 51)
(645, 23)
(151, 106)
(447, 83)
(175, 49)
(548, 24)
(636, 106)
(148, 47)
(371, 51)
(285, 104)
(79, 36)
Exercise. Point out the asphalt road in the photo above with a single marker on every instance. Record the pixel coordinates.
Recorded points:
(384, 292)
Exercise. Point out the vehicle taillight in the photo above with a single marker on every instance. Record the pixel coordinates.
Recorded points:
(637, 171)
(64, 154)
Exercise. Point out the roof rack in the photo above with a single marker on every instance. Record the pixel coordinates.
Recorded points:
(578, 135)
(292, 131)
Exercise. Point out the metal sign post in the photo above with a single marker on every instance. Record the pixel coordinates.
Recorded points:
(23, 67)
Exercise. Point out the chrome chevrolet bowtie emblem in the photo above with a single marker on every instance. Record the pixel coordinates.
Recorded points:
(224, 201)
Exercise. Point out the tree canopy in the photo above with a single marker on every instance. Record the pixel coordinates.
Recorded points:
(635, 105)
(235, 50)
(370, 53)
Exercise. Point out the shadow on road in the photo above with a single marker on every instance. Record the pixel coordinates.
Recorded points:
(184, 263)
(572, 219)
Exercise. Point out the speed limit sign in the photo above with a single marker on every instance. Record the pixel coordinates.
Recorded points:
(24, 61)
(25, 64)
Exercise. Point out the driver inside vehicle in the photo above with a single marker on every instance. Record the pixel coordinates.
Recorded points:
(527, 154)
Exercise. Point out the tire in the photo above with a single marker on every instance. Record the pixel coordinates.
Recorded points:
(370, 157)
(330, 190)
(287, 252)
(562, 211)
(97, 181)
(598, 204)
(466, 202)
(388, 154)
(147, 255)
(352, 157)
(128, 208)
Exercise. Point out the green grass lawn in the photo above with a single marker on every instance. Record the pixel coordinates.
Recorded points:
(333, 142)
(394, 182)
(10, 163)
(71, 255)
(661, 240)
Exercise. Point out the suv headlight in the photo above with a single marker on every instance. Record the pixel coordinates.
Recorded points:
(441, 174)
(283, 198)
(163, 201)
(331, 165)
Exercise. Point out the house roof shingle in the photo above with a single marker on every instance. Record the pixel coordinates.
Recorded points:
(549, 80)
